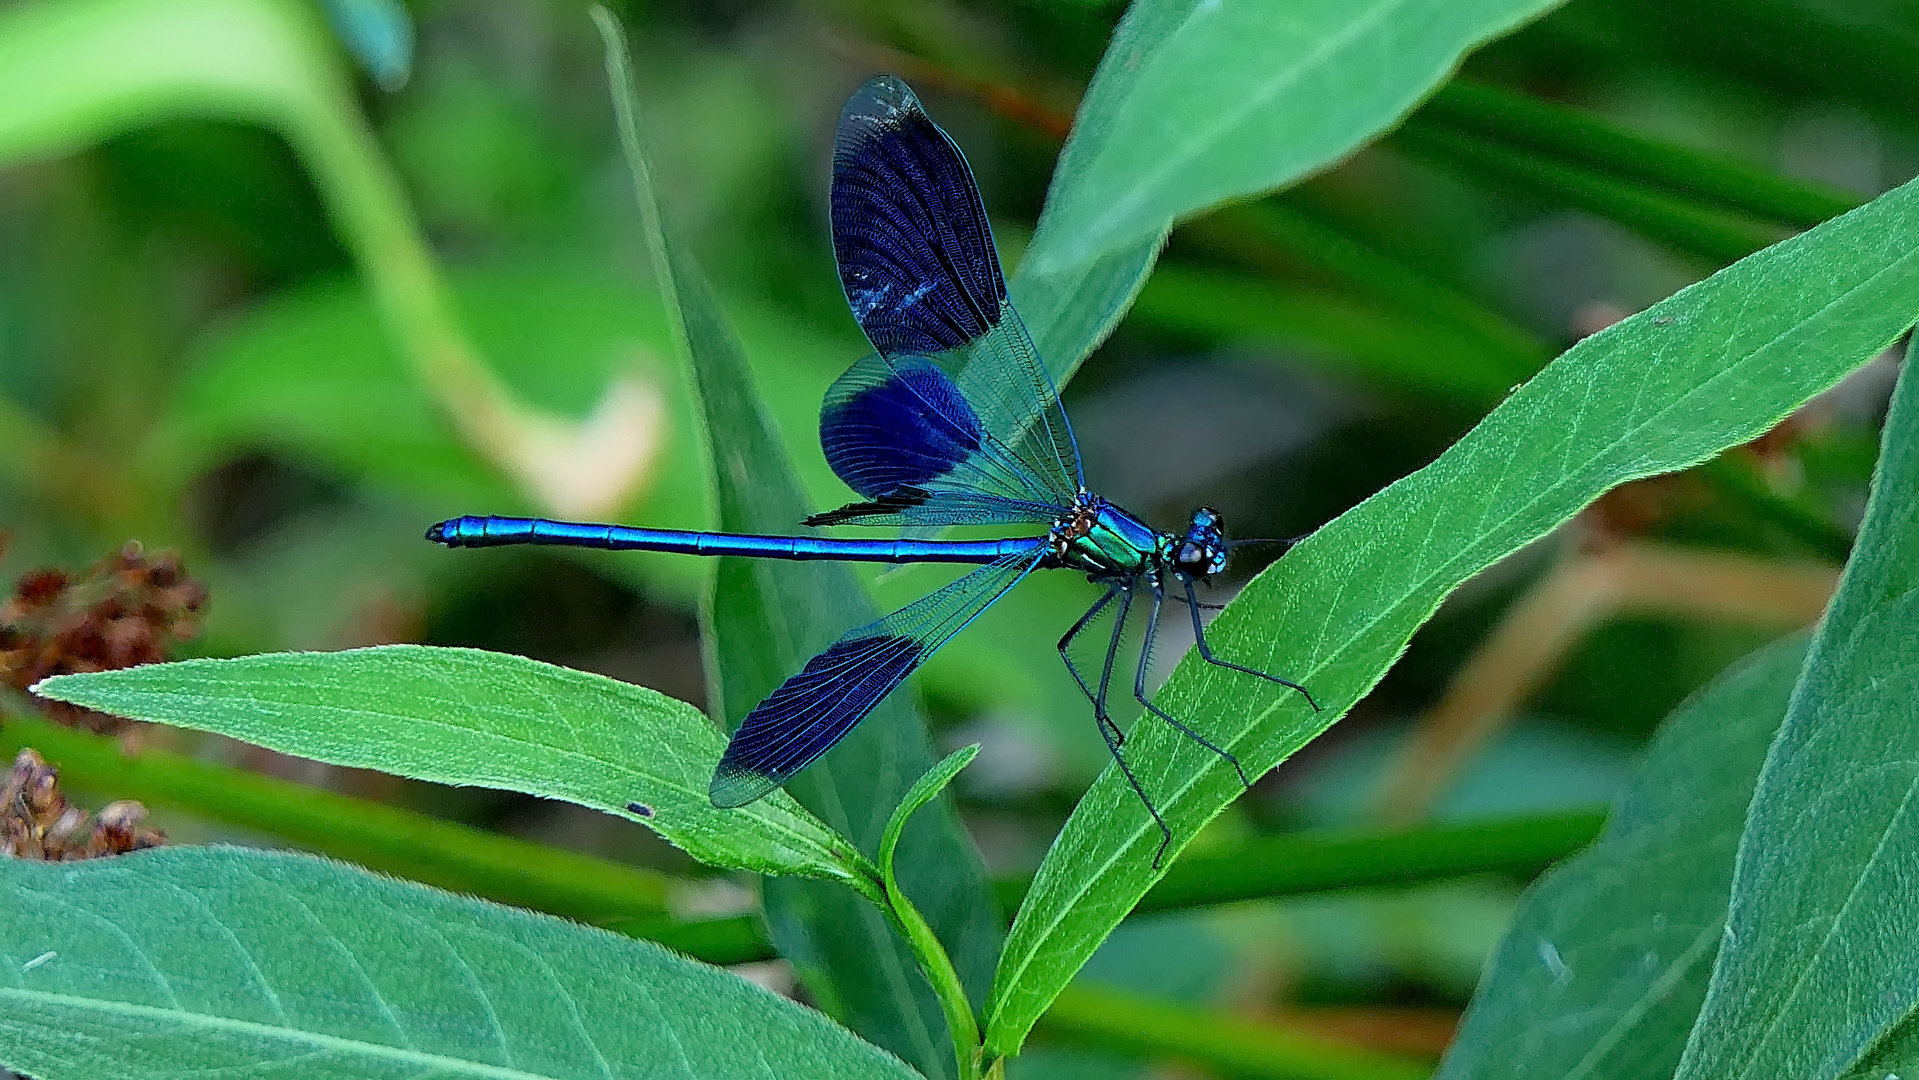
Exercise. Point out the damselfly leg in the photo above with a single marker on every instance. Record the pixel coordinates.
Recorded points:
(1108, 730)
(1139, 688)
(1206, 651)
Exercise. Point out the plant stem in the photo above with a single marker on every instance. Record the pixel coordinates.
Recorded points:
(1258, 870)
(926, 946)
(1116, 1020)
(423, 848)
(1355, 859)
(1252, 230)
(1582, 138)
(960, 1022)
(1686, 226)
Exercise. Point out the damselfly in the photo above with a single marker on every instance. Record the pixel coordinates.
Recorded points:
(953, 421)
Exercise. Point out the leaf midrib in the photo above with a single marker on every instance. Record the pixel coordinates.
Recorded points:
(1367, 627)
(183, 1019)
(1227, 118)
(775, 825)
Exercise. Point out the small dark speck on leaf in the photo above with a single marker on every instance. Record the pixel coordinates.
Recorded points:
(639, 808)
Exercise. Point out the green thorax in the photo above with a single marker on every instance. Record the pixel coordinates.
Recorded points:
(1104, 540)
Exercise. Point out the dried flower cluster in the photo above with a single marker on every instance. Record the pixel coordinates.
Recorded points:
(127, 609)
(37, 822)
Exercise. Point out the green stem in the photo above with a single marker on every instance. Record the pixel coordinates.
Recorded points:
(375, 221)
(1356, 859)
(1686, 226)
(926, 946)
(417, 846)
(1583, 139)
(1116, 1020)
(960, 1023)
(1252, 230)
(1345, 336)
(1260, 869)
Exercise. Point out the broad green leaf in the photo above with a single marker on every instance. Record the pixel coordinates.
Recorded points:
(1708, 368)
(1201, 101)
(1607, 959)
(767, 619)
(223, 961)
(463, 716)
(1819, 962)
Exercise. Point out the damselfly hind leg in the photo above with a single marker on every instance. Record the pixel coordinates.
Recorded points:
(1107, 729)
(1139, 692)
(1206, 652)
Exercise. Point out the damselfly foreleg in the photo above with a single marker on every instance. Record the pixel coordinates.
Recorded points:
(1206, 652)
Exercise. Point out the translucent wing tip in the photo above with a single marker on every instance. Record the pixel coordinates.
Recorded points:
(734, 786)
(885, 98)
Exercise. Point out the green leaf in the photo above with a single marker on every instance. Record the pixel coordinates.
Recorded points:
(190, 961)
(923, 791)
(767, 618)
(938, 967)
(1201, 101)
(378, 835)
(463, 716)
(1071, 309)
(1708, 368)
(1607, 959)
(1818, 963)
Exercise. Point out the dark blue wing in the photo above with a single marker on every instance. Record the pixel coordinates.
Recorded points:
(815, 708)
(915, 253)
(956, 419)
(900, 432)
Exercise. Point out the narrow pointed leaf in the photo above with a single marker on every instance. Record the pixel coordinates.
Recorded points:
(1201, 101)
(767, 619)
(1710, 367)
(924, 790)
(222, 961)
(1819, 963)
(1607, 959)
(464, 716)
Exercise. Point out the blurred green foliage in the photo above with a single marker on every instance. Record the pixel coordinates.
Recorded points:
(199, 349)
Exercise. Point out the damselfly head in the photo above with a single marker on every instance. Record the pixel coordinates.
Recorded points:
(1202, 551)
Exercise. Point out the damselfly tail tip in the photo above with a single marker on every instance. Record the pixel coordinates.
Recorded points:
(441, 533)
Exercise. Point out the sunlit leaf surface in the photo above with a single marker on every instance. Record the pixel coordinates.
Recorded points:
(197, 961)
(463, 716)
(1712, 366)
(1200, 101)
(1607, 959)
(1819, 962)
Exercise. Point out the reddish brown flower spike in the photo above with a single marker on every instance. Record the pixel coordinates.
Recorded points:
(127, 609)
(37, 822)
